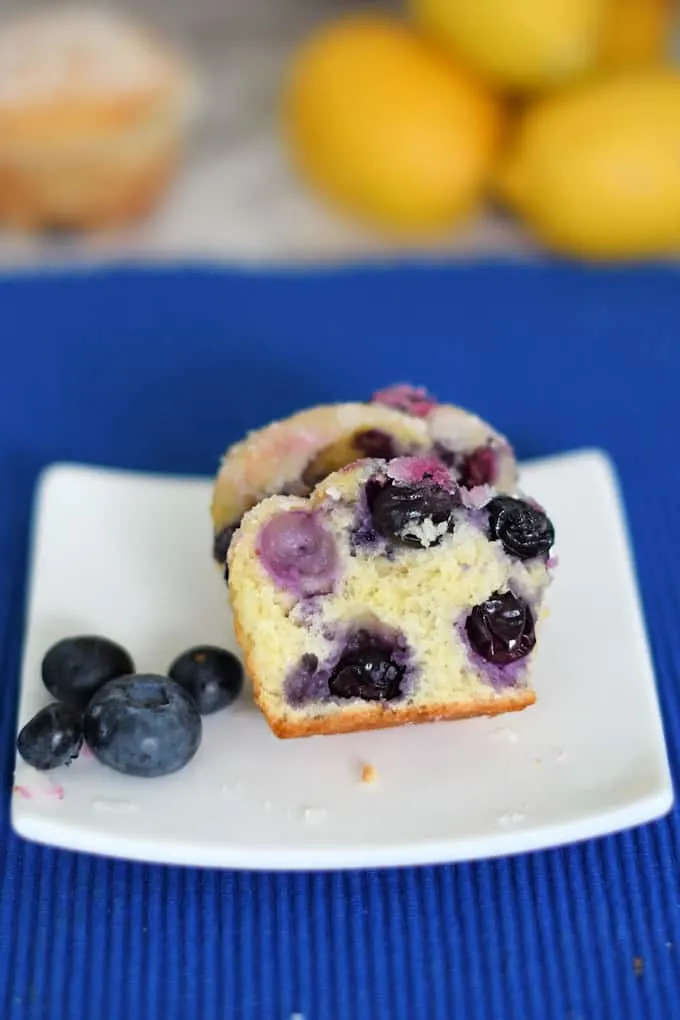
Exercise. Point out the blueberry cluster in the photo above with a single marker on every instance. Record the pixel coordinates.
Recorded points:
(419, 515)
(141, 724)
(501, 629)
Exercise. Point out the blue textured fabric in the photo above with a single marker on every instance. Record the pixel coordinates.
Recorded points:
(159, 370)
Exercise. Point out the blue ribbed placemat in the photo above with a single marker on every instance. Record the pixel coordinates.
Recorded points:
(159, 370)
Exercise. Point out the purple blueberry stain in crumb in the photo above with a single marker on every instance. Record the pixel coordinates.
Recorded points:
(363, 534)
(298, 553)
(413, 400)
(306, 682)
(306, 612)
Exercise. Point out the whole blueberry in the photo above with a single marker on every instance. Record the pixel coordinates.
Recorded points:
(76, 667)
(501, 629)
(212, 676)
(369, 674)
(414, 515)
(524, 530)
(51, 738)
(143, 725)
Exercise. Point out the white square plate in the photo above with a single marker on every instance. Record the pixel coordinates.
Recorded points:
(127, 555)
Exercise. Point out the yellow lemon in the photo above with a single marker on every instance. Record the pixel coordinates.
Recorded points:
(385, 126)
(637, 32)
(595, 170)
(522, 45)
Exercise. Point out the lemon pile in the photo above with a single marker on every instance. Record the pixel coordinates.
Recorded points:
(568, 112)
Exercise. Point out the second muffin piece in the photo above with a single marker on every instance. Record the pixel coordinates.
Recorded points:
(293, 455)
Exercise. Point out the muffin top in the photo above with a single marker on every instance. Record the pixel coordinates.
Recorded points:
(81, 70)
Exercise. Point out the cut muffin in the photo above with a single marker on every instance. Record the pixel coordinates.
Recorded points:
(291, 456)
(390, 595)
(92, 114)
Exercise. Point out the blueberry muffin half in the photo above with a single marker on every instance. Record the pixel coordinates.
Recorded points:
(291, 456)
(391, 595)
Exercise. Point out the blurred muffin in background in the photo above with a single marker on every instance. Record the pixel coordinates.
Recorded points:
(92, 118)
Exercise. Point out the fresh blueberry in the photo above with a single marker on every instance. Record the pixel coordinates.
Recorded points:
(501, 629)
(75, 668)
(143, 725)
(414, 515)
(299, 553)
(525, 530)
(375, 443)
(305, 682)
(212, 676)
(52, 738)
(369, 674)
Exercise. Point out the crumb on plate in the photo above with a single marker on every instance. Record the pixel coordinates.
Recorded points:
(369, 773)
